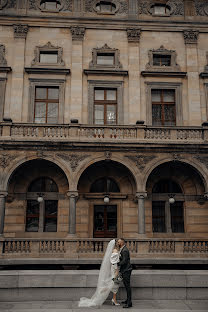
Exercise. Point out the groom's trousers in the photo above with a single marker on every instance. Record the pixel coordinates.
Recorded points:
(126, 280)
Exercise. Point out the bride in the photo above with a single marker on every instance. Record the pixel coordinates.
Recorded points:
(108, 273)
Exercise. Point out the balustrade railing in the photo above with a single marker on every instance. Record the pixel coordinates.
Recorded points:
(81, 248)
(92, 132)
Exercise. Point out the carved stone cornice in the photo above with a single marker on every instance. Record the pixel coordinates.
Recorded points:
(20, 30)
(133, 34)
(191, 36)
(78, 33)
(140, 160)
(74, 160)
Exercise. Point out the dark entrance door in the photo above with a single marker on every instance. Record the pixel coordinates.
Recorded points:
(105, 221)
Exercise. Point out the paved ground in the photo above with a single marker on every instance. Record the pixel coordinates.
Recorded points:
(141, 305)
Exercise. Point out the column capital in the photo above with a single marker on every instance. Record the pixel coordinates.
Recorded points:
(78, 33)
(72, 194)
(20, 30)
(191, 36)
(3, 194)
(141, 195)
(133, 34)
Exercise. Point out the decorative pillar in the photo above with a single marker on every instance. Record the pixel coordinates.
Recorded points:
(133, 36)
(72, 211)
(141, 212)
(2, 210)
(77, 33)
(191, 39)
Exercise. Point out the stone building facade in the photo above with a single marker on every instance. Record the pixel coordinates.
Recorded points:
(103, 127)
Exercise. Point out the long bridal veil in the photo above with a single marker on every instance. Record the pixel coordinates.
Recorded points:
(105, 282)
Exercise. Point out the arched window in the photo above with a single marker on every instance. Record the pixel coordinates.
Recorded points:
(167, 217)
(50, 4)
(105, 7)
(104, 185)
(42, 216)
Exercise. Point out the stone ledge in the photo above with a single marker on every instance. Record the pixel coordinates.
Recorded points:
(43, 70)
(112, 72)
(163, 74)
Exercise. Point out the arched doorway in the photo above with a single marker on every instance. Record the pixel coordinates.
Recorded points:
(106, 190)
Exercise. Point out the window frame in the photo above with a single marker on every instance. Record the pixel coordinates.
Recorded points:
(113, 12)
(48, 47)
(105, 50)
(105, 103)
(178, 100)
(118, 85)
(60, 83)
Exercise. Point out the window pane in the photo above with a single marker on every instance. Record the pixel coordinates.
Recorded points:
(105, 58)
(50, 5)
(53, 93)
(98, 218)
(40, 112)
(169, 114)
(156, 95)
(32, 216)
(99, 114)
(52, 113)
(41, 93)
(160, 9)
(111, 95)
(161, 60)
(157, 115)
(177, 219)
(111, 114)
(99, 95)
(169, 95)
(111, 218)
(48, 57)
(158, 216)
(50, 224)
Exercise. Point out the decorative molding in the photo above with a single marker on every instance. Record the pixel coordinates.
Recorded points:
(140, 160)
(105, 49)
(176, 7)
(45, 70)
(66, 5)
(201, 7)
(202, 159)
(191, 36)
(9, 4)
(133, 34)
(108, 155)
(20, 30)
(78, 33)
(48, 47)
(5, 160)
(111, 72)
(3, 3)
(73, 159)
(121, 7)
(3, 61)
(176, 157)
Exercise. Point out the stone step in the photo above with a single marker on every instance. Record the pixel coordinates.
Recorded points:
(138, 305)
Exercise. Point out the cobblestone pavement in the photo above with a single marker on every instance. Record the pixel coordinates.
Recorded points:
(141, 305)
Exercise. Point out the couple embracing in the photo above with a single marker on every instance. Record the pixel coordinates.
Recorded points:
(115, 267)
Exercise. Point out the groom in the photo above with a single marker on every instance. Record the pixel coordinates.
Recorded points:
(125, 270)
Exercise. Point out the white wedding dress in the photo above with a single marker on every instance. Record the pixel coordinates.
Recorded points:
(105, 283)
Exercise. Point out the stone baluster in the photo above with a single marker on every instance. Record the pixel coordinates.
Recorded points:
(3, 195)
(72, 211)
(141, 212)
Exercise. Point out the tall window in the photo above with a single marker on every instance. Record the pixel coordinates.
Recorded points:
(46, 105)
(163, 107)
(167, 217)
(105, 106)
(50, 4)
(42, 216)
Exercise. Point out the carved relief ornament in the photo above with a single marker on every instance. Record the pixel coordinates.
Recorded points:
(48, 47)
(7, 4)
(191, 36)
(78, 33)
(201, 7)
(20, 30)
(141, 160)
(5, 160)
(121, 6)
(133, 34)
(3, 61)
(65, 5)
(176, 7)
(73, 159)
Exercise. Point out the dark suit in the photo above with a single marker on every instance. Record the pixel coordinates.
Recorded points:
(125, 270)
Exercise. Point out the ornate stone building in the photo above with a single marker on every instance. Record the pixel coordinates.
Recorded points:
(103, 127)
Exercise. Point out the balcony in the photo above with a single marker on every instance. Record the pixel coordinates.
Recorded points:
(109, 134)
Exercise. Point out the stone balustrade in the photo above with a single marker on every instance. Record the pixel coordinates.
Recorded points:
(87, 133)
(95, 248)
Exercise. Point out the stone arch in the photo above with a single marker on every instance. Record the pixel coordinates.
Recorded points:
(134, 172)
(195, 165)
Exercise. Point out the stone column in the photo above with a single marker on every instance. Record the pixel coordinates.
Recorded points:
(2, 210)
(72, 211)
(141, 212)
(76, 72)
(168, 217)
(17, 84)
(133, 36)
(191, 39)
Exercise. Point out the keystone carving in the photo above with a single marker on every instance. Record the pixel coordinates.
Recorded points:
(74, 160)
(77, 33)
(133, 34)
(190, 36)
(20, 31)
(3, 61)
(141, 160)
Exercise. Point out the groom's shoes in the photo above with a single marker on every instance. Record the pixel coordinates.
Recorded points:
(126, 306)
(124, 302)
